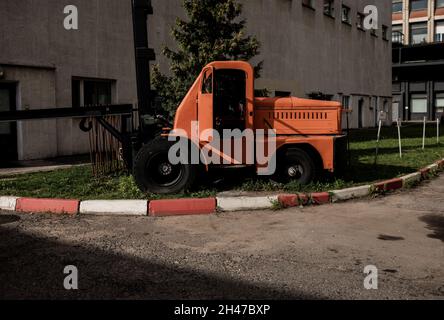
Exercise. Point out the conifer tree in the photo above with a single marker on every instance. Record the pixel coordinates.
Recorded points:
(213, 30)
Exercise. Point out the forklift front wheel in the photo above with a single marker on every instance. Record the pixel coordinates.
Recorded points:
(154, 173)
(297, 166)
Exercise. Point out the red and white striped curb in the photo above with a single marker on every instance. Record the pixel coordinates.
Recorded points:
(114, 207)
(8, 203)
(177, 207)
(245, 203)
(58, 206)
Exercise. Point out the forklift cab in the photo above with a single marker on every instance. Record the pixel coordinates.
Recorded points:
(222, 102)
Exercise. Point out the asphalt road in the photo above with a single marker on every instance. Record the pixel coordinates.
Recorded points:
(300, 253)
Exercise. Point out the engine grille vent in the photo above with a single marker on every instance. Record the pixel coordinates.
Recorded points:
(298, 115)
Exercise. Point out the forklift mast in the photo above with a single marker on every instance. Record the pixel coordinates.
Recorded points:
(143, 55)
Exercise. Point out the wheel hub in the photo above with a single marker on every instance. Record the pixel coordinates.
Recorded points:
(165, 169)
(295, 171)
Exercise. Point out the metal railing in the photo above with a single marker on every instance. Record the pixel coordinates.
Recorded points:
(397, 37)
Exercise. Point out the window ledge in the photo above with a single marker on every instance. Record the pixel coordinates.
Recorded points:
(348, 23)
(329, 15)
(361, 29)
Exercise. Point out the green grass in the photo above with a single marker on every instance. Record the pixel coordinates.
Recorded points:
(78, 182)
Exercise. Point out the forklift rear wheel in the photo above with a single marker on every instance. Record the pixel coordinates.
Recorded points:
(154, 173)
(297, 166)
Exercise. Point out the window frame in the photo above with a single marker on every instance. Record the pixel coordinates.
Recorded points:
(331, 6)
(439, 23)
(385, 32)
(418, 1)
(422, 97)
(348, 19)
(397, 2)
(438, 96)
(418, 25)
(344, 99)
(78, 91)
(360, 17)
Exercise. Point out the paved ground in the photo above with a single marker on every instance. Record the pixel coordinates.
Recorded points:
(316, 252)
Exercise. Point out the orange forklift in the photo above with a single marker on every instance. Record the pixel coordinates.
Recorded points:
(308, 133)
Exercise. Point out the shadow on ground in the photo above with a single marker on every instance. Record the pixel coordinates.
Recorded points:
(362, 172)
(435, 223)
(32, 268)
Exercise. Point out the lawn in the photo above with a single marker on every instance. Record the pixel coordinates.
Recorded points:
(79, 183)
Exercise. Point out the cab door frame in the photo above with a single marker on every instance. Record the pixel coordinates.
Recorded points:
(205, 101)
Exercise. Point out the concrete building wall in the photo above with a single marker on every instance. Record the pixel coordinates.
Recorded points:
(36, 87)
(306, 51)
(32, 35)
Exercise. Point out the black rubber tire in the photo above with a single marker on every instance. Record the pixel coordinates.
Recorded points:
(148, 175)
(300, 158)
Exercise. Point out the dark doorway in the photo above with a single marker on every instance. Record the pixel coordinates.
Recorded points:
(360, 113)
(8, 130)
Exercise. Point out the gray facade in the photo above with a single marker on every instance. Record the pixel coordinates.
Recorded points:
(42, 58)
(418, 60)
(304, 51)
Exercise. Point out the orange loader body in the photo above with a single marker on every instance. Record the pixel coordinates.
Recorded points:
(309, 124)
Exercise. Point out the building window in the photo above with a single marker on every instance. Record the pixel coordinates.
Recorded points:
(385, 107)
(346, 102)
(397, 6)
(439, 3)
(418, 4)
(384, 32)
(86, 92)
(308, 3)
(329, 8)
(345, 15)
(439, 31)
(418, 33)
(360, 21)
(439, 103)
(418, 103)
